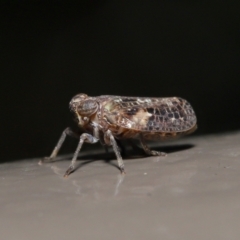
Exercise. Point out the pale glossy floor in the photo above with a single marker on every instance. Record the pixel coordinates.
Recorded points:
(192, 194)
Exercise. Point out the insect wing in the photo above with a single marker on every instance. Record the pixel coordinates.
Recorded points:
(151, 114)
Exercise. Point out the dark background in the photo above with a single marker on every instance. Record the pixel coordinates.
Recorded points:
(51, 50)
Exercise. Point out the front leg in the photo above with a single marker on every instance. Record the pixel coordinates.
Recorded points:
(66, 132)
(85, 137)
(110, 140)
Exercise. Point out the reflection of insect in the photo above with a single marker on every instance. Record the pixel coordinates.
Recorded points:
(107, 118)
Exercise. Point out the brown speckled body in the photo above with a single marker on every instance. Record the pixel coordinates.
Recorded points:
(153, 118)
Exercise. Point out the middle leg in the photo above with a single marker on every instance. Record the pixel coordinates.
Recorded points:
(109, 139)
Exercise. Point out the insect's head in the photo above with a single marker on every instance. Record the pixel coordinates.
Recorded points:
(83, 106)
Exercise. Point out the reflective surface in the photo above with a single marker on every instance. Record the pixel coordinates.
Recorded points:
(193, 193)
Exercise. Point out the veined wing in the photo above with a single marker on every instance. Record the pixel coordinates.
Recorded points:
(150, 114)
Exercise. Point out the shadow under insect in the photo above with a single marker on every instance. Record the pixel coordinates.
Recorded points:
(129, 151)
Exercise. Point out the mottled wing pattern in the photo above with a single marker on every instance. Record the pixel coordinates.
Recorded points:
(150, 114)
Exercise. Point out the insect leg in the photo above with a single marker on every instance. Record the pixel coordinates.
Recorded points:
(116, 150)
(135, 147)
(85, 137)
(55, 151)
(99, 136)
(148, 151)
(121, 147)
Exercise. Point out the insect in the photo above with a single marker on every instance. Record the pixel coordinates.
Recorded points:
(109, 118)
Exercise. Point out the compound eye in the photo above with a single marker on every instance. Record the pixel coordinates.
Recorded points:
(76, 101)
(87, 107)
(79, 97)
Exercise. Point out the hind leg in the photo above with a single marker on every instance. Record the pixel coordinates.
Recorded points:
(148, 151)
